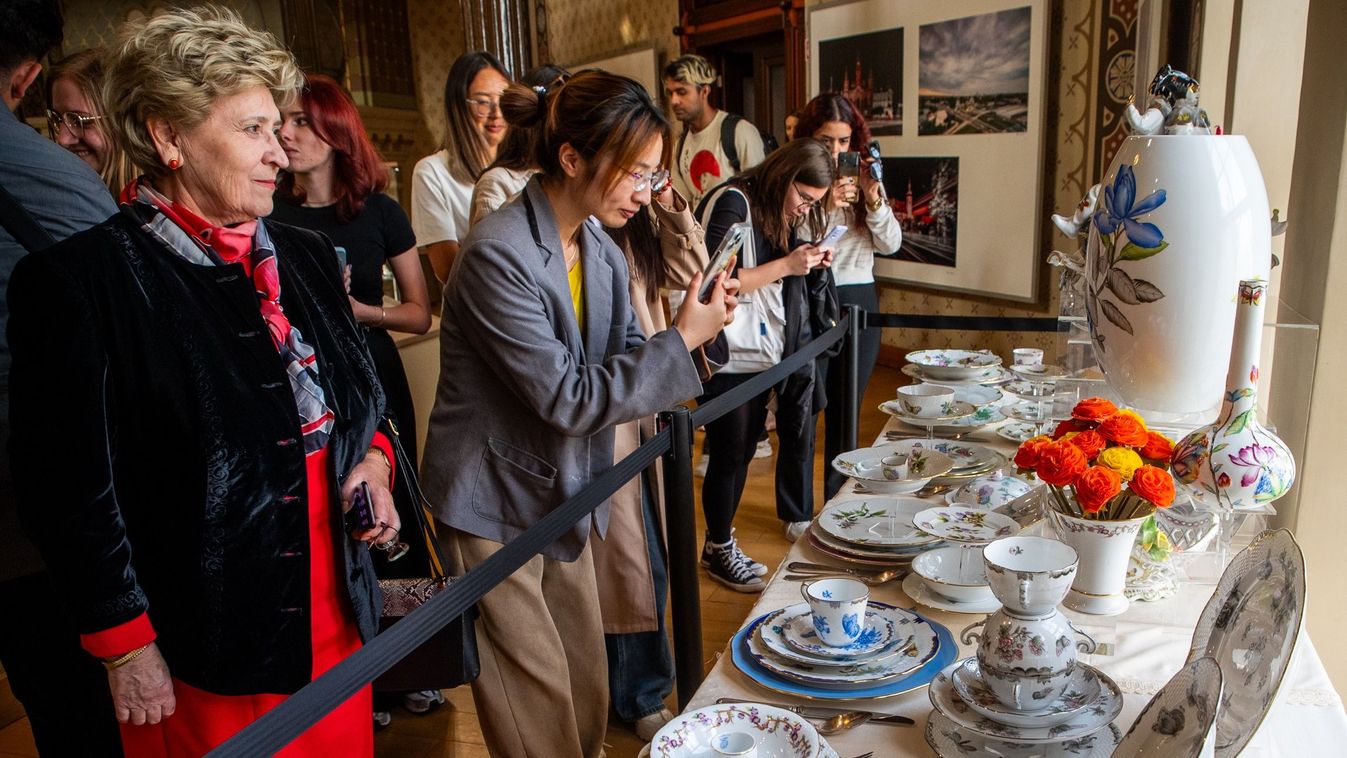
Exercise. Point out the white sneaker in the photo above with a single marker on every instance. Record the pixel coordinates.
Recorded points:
(424, 701)
(382, 719)
(647, 726)
(764, 449)
(796, 529)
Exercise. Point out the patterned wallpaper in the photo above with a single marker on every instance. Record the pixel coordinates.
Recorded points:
(89, 23)
(436, 40)
(581, 30)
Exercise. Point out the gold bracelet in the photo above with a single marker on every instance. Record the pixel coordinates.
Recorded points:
(382, 455)
(125, 658)
(876, 205)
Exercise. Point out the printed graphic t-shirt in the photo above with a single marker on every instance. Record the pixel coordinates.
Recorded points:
(702, 164)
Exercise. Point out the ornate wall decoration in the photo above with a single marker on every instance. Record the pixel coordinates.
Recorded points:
(1114, 79)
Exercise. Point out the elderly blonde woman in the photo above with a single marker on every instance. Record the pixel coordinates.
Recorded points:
(193, 405)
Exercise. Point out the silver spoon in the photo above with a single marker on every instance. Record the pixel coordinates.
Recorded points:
(844, 721)
(880, 578)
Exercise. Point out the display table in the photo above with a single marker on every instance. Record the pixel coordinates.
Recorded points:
(1141, 650)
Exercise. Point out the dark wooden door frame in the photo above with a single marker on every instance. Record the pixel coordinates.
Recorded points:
(701, 25)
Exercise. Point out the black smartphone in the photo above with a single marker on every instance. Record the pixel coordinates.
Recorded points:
(360, 516)
(849, 164)
(730, 246)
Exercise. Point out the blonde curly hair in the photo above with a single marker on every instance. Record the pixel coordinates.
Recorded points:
(174, 66)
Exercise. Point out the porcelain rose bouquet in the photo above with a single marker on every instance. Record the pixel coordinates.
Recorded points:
(1102, 463)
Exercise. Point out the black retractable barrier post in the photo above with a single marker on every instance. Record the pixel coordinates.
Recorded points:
(680, 513)
(851, 376)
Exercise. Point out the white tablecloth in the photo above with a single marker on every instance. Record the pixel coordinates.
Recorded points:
(1147, 645)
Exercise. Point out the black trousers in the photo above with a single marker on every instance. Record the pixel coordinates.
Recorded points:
(731, 441)
(63, 689)
(865, 296)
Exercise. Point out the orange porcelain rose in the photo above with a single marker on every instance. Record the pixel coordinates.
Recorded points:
(1069, 426)
(1060, 462)
(1027, 455)
(1125, 429)
(1090, 442)
(1153, 484)
(1093, 409)
(1158, 447)
(1096, 486)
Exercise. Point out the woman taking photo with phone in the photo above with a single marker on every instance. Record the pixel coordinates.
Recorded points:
(541, 355)
(792, 297)
(858, 203)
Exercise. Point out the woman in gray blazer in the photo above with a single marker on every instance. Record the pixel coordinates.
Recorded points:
(540, 356)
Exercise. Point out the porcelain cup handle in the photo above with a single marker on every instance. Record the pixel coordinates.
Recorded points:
(968, 636)
(1088, 645)
(804, 591)
(1024, 593)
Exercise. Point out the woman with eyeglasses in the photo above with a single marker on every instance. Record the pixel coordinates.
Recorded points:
(541, 355)
(784, 199)
(76, 117)
(514, 166)
(858, 203)
(442, 182)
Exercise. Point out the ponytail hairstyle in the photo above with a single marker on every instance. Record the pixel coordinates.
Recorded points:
(358, 172)
(768, 184)
(466, 147)
(516, 150)
(608, 119)
(831, 106)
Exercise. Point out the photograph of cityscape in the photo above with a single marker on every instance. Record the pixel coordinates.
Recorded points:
(867, 69)
(924, 195)
(974, 74)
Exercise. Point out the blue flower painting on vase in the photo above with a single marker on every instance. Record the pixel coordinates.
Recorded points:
(1123, 236)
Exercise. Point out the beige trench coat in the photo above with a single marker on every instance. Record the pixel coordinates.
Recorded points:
(621, 561)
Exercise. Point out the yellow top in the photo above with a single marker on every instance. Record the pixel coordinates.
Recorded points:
(577, 281)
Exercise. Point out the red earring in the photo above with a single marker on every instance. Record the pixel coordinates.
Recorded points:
(173, 164)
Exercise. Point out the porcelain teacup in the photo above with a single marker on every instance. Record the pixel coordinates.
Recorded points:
(837, 609)
(926, 400)
(1029, 575)
(1027, 356)
(735, 745)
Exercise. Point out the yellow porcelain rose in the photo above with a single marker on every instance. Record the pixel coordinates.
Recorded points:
(1123, 460)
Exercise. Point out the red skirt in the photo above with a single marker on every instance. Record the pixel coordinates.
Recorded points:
(204, 720)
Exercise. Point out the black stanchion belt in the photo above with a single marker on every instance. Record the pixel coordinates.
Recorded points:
(277, 727)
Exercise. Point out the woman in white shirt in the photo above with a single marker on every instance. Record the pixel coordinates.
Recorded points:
(442, 182)
(871, 230)
(514, 164)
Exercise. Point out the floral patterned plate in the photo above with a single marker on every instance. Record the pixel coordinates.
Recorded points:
(977, 394)
(966, 455)
(772, 634)
(858, 556)
(1029, 390)
(989, 377)
(914, 634)
(881, 523)
(915, 588)
(1039, 412)
(779, 733)
(1177, 721)
(1039, 372)
(1018, 431)
(1095, 716)
(957, 411)
(1249, 626)
(1081, 692)
(949, 740)
(954, 364)
(964, 524)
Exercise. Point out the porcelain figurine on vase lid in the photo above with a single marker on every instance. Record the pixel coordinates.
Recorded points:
(1173, 107)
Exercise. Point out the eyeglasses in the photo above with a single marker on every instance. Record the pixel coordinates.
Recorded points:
(654, 180)
(483, 106)
(73, 121)
(806, 202)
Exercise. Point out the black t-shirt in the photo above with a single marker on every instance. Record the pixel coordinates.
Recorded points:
(380, 232)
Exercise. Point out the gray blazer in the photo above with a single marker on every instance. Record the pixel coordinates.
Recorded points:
(525, 407)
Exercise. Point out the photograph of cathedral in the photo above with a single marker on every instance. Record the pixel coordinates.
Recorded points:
(974, 74)
(867, 69)
(924, 195)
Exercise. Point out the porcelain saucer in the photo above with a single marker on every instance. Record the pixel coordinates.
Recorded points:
(772, 635)
(797, 629)
(958, 410)
(915, 588)
(1081, 693)
(950, 740)
(1018, 431)
(1097, 715)
(965, 524)
(1027, 412)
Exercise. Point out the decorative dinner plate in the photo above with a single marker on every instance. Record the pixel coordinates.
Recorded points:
(797, 629)
(977, 394)
(874, 522)
(879, 561)
(1180, 716)
(1097, 715)
(914, 634)
(915, 588)
(1030, 390)
(744, 661)
(953, 363)
(989, 377)
(877, 552)
(965, 455)
(950, 740)
(1249, 626)
(1038, 372)
(1081, 692)
(863, 464)
(850, 676)
(965, 524)
(1018, 431)
(778, 732)
(772, 634)
(1027, 412)
(958, 410)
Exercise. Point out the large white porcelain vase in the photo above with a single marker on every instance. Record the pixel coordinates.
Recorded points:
(1181, 220)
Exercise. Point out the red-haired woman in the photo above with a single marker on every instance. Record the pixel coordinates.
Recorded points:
(871, 230)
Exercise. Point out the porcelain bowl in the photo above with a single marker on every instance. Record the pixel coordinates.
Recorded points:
(991, 491)
(954, 573)
(926, 400)
(953, 364)
(1030, 575)
(779, 733)
(903, 479)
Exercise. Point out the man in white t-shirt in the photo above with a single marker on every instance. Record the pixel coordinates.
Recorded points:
(708, 152)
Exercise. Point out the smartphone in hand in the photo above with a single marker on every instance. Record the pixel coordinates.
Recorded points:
(849, 164)
(360, 516)
(834, 234)
(730, 246)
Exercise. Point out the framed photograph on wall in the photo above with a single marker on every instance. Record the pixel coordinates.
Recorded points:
(955, 93)
(641, 64)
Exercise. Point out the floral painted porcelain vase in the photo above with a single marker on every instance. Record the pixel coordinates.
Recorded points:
(1104, 548)
(1236, 462)
(1181, 220)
